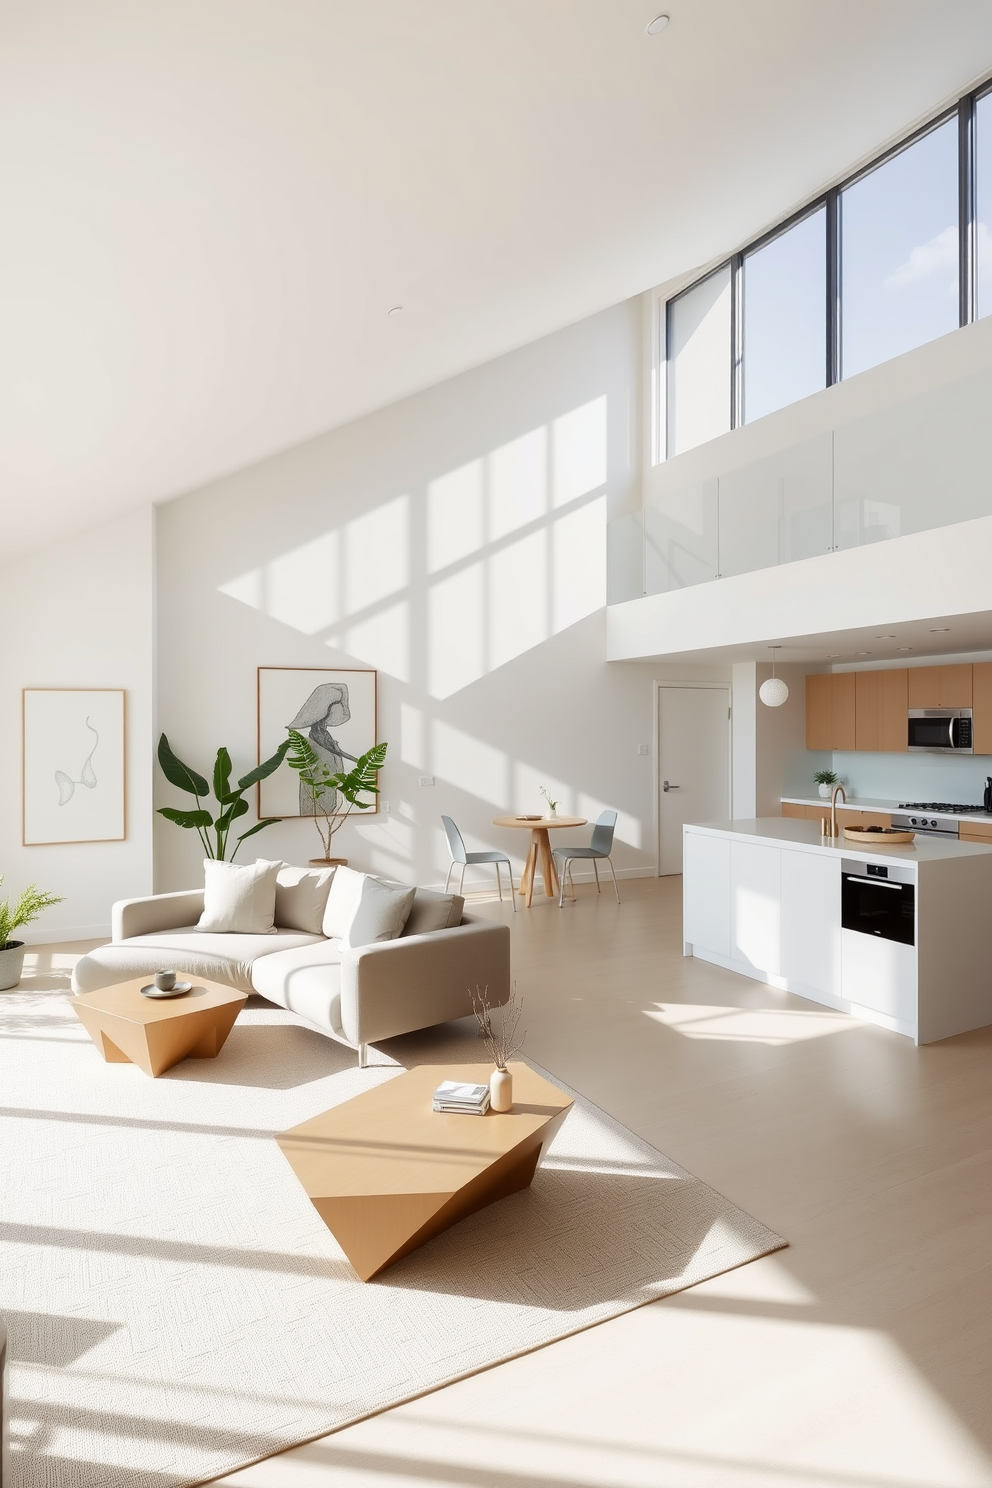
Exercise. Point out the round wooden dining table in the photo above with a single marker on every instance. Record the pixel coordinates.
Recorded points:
(540, 849)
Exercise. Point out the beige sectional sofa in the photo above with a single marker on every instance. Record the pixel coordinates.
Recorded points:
(355, 995)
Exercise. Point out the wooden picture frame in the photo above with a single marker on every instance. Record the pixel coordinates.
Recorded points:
(73, 766)
(314, 700)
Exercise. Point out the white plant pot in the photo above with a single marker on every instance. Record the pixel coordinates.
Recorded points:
(11, 965)
(551, 813)
(825, 791)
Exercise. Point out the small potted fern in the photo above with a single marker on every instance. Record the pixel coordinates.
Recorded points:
(28, 907)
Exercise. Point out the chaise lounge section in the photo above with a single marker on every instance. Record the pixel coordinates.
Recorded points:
(358, 996)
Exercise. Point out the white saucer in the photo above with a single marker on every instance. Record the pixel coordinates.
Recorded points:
(177, 991)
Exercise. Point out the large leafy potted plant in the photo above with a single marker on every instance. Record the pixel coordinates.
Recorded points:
(321, 788)
(214, 831)
(28, 907)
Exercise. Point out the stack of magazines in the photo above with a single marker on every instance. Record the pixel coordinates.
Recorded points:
(455, 1095)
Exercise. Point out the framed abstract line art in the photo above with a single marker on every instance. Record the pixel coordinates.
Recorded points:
(73, 765)
(334, 709)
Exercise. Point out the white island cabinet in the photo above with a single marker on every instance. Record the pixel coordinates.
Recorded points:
(764, 898)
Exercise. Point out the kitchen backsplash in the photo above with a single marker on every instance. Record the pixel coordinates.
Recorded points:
(907, 777)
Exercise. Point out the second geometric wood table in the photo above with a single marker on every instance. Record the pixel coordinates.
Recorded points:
(386, 1173)
(156, 1033)
(540, 855)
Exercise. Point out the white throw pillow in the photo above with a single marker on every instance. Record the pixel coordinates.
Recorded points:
(381, 914)
(239, 898)
(342, 902)
(301, 898)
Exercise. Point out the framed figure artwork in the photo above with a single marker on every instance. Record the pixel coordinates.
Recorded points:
(73, 765)
(334, 709)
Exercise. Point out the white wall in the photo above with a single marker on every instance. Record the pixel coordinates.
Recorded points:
(770, 755)
(455, 542)
(81, 615)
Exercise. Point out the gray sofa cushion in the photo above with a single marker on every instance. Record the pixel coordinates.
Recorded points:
(195, 953)
(306, 980)
(434, 911)
(301, 898)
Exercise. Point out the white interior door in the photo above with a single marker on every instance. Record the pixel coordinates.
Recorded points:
(693, 764)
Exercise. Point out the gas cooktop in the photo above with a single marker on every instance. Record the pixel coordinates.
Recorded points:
(956, 807)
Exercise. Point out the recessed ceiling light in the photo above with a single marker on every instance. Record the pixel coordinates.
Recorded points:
(862, 653)
(833, 655)
(658, 24)
(885, 638)
(939, 629)
(904, 648)
(396, 310)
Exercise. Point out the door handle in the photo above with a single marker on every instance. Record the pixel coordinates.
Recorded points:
(666, 787)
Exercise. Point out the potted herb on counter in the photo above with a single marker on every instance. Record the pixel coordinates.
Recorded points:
(826, 780)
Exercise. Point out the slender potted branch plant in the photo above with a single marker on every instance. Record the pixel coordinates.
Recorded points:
(321, 788)
(501, 1041)
(28, 907)
(214, 831)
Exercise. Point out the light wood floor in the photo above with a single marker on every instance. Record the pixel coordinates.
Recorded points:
(861, 1357)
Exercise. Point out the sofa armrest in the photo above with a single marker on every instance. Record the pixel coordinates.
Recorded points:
(156, 913)
(397, 986)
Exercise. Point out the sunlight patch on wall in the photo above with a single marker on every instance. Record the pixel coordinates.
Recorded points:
(455, 522)
(457, 632)
(412, 743)
(578, 582)
(377, 554)
(518, 483)
(382, 641)
(518, 598)
(775, 1026)
(470, 764)
(579, 451)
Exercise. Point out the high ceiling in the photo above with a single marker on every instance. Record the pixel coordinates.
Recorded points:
(210, 206)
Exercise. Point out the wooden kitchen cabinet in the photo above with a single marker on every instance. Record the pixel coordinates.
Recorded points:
(941, 686)
(830, 711)
(880, 708)
(982, 704)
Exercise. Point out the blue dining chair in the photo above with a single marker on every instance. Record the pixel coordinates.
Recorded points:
(600, 847)
(462, 859)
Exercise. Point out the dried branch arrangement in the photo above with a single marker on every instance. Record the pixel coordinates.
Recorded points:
(501, 1039)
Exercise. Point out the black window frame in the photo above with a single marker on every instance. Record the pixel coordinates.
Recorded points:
(964, 111)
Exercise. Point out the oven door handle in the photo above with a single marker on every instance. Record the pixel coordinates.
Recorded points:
(877, 883)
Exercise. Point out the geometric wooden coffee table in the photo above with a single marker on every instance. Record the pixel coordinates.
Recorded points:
(156, 1033)
(386, 1173)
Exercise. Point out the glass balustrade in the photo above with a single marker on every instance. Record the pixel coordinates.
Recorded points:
(923, 464)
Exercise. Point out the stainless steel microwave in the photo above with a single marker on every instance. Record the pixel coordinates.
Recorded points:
(940, 730)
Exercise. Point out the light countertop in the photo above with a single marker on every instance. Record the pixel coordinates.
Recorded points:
(776, 831)
(876, 803)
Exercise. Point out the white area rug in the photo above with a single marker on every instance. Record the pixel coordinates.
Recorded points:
(176, 1307)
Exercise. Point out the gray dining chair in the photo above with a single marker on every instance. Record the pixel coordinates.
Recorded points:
(599, 848)
(462, 859)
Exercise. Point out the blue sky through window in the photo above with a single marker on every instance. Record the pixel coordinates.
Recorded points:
(899, 252)
(785, 333)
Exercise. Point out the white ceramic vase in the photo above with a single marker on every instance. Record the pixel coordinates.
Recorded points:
(825, 791)
(11, 964)
(551, 813)
(501, 1090)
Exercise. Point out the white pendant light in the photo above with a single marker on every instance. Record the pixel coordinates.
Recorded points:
(773, 691)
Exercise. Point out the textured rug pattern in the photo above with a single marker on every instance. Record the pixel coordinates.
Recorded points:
(177, 1309)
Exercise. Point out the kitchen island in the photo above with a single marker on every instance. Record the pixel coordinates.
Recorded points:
(897, 934)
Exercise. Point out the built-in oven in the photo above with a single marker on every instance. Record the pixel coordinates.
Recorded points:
(940, 730)
(878, 899)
